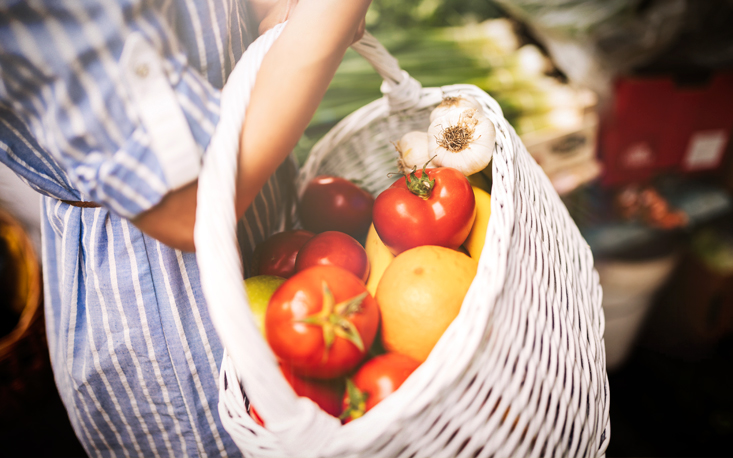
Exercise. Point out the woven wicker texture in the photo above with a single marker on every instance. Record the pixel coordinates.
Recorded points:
(520, 371)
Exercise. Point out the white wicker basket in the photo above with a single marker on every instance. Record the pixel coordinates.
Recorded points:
(521, 370)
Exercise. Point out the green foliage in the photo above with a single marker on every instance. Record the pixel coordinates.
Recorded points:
(389, 14)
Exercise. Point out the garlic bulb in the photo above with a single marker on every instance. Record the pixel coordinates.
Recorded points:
(413, 149)
(463, 140)
(461, 102)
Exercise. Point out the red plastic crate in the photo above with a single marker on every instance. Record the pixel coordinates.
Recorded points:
(656, 125)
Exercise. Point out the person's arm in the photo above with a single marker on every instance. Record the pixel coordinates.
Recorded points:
(100, 101)
(291, 82)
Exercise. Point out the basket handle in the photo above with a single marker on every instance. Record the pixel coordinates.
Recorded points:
(291, 418)
(401, 90)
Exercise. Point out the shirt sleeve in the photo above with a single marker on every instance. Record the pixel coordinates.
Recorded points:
(108, 93)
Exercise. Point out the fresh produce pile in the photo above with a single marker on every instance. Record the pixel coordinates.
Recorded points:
(350, 322)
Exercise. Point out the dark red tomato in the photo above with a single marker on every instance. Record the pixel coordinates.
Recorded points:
(375, 380)
(334, 248)
(336, 204)
(442, 215)
(328, 394)
(276, 255)
(321, 322)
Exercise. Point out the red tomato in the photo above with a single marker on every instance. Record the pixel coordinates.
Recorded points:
(443, 217)
(334, 248)
(328, 394)
(375, 380)
(255, 416)
(321, 322)
(276, 255)
(335, 204)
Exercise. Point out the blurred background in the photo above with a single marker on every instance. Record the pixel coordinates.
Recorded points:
(628, 107)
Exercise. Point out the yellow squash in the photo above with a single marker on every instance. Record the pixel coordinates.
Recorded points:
(476, 238)
(379, 258)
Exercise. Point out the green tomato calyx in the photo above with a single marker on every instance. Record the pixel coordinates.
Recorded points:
(357, 402)
(334, 319)
(421, 186)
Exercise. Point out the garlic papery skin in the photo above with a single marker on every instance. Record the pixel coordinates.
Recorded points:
(463, 140)
(413, 149)
(460, 102)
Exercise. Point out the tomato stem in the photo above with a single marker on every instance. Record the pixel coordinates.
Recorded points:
(357, 402)
(421, 186)
(333, 319)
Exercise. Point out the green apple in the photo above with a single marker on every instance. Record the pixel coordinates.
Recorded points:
(259, 290)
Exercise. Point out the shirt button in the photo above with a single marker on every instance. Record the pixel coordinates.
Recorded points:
(142, 70)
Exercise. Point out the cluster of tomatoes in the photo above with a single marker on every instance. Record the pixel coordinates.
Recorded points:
(322, 323)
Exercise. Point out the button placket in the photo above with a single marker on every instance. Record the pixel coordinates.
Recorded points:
(157, 106)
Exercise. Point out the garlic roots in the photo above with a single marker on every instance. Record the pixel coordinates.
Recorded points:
(462, 139)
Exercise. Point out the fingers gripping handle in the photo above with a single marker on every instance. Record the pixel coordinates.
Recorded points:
(402, 91)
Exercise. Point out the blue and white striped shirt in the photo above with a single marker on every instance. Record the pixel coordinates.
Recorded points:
(115, 102)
